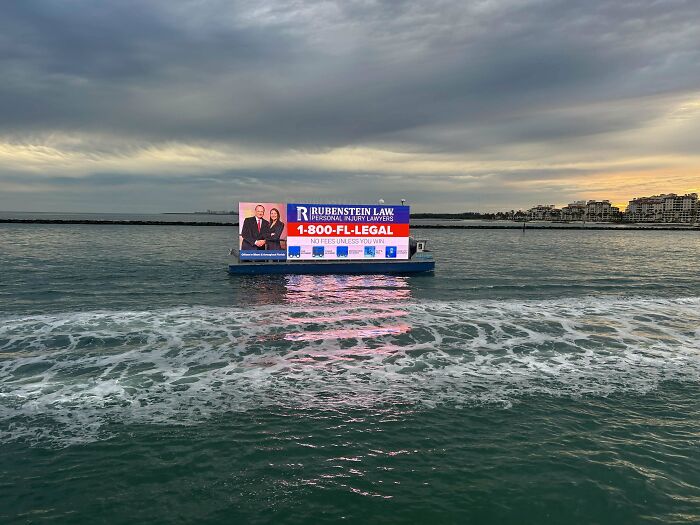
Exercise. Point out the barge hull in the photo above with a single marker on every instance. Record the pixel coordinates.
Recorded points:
(345, 268)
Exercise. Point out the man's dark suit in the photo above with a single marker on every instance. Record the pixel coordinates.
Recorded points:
(250, 233)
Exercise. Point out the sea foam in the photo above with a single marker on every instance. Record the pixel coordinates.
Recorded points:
(66, 377)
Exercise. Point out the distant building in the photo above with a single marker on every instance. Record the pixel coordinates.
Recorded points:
(670, 208)
(576, 211)
(664, 208)
(646, 209)
(592, 210)
(544, 212)
(216, 212)
(601, 211)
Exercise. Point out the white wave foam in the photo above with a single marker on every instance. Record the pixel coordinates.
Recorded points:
(64, 377)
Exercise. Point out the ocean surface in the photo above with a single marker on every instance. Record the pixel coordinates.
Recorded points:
(538, 377)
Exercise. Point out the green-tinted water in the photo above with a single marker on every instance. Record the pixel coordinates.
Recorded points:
(538, 377)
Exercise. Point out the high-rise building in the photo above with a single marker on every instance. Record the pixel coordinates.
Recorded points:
(576, 211)
(544, 212)
(601, 211)
(664, 208)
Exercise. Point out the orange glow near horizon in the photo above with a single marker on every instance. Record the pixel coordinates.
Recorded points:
(616, 178)
(621, 187)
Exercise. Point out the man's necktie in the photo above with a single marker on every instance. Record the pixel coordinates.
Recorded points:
(258, 225)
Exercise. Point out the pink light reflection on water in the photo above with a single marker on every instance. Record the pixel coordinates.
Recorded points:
(345, 307)
(361, 297)
(373, 312)
(315, 289)
(349, 333)
(323, 357)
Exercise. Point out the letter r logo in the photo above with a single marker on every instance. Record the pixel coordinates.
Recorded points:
(301, 212)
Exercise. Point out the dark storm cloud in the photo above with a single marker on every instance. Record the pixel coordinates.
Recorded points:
(116, 66)
(324, 75)
(498, 103)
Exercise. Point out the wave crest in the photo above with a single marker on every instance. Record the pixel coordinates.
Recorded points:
(66, 377)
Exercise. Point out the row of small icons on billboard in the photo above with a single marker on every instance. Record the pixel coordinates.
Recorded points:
(341, 252)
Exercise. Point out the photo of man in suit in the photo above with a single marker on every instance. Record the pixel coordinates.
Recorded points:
(255, 230)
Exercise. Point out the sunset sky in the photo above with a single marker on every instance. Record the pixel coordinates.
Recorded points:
(136, 106)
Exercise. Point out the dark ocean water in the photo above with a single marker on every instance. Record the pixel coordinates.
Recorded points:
(537, 377)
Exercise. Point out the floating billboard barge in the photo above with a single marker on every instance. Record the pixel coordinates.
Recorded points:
(421, 262)
(279, 238)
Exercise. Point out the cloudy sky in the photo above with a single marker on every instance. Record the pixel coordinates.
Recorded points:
(133, 105)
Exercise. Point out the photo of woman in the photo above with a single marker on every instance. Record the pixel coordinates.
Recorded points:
(274, 240)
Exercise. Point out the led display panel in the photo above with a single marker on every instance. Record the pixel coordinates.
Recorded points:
(348, 231)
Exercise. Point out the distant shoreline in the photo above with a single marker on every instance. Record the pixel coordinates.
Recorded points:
(195, 213)
(513, 226)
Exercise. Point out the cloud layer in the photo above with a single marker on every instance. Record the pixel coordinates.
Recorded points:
(135, 106)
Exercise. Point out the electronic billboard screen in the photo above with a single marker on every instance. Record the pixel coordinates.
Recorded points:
(348, 231)
(276, 231)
